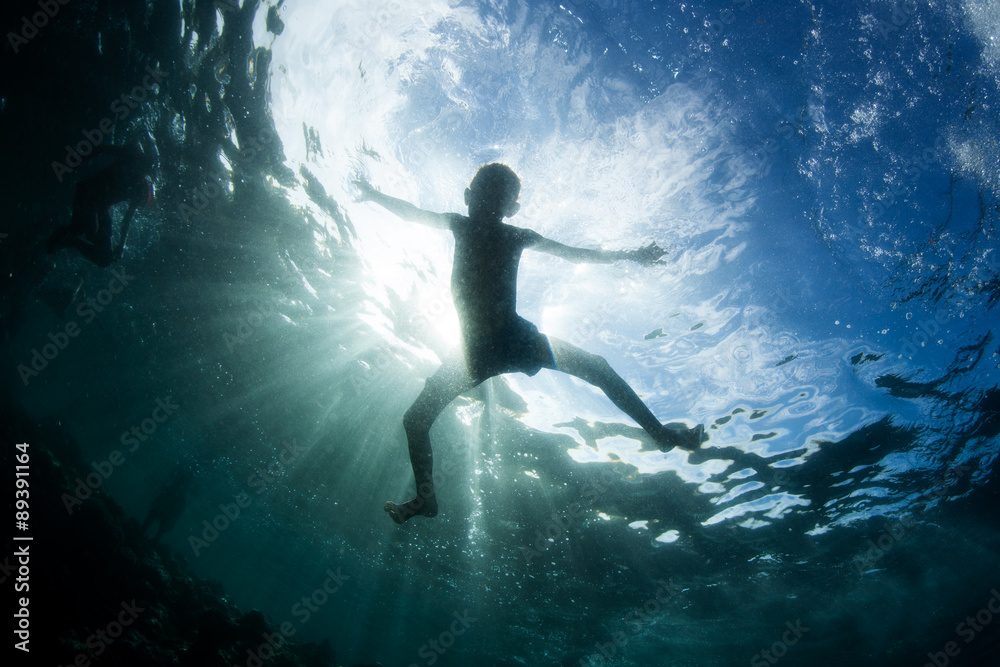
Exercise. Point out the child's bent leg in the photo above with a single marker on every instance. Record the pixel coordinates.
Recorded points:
(597, 371)
(451, 380)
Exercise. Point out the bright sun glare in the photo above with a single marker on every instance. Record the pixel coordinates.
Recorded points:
(408, 111)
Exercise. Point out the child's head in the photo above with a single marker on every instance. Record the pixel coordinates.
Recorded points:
(493, 191)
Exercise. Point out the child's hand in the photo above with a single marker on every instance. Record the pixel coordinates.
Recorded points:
(647, 255)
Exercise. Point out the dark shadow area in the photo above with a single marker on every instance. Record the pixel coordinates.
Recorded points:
(101, 590)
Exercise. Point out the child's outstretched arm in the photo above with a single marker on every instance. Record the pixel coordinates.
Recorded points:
(403, 209)
(647, 255)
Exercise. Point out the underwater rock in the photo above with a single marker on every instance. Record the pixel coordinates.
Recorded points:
(107, 595)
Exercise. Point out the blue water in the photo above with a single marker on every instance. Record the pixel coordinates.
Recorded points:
(826, 179)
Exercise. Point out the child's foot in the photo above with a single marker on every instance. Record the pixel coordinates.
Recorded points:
(423, 506)
(689, 439)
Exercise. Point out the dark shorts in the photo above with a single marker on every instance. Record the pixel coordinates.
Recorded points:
(516, 348)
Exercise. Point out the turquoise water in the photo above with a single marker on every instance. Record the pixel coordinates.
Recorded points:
(825, 177)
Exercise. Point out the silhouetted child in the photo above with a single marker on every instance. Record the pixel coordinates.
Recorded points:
(496, 339)
(125, 178)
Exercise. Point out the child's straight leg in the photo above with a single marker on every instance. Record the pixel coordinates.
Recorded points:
(597, 371)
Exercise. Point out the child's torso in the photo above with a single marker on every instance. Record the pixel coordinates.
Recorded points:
(484, 274)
